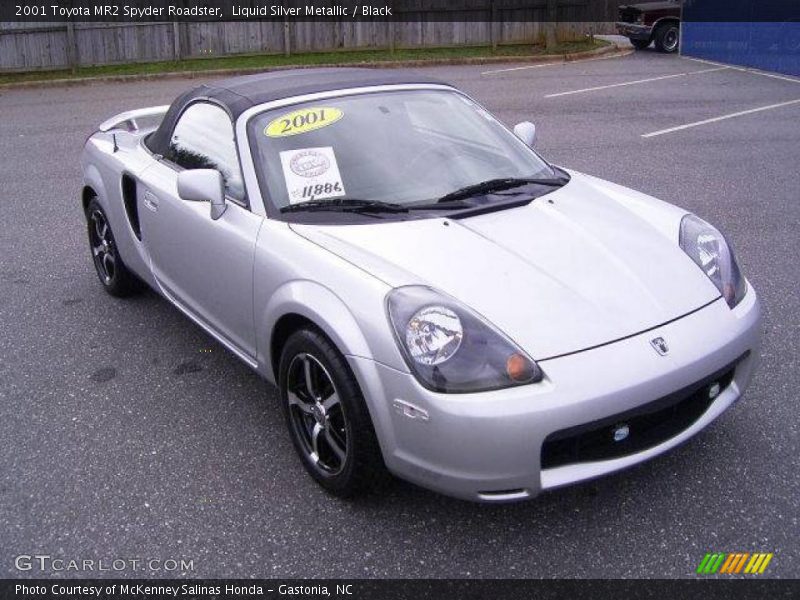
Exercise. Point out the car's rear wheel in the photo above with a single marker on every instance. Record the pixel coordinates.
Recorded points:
(640, 44)
(667, 38)
(327, 417)
(114, 275)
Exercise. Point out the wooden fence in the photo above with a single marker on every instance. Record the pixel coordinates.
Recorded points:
(26, 46)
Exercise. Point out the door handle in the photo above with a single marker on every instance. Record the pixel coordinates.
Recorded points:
(150, 201)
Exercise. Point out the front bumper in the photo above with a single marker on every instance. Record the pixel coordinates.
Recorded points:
(634, 31)
(488, 446)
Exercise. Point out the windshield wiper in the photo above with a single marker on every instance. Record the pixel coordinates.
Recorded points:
(345, 205)
(497, 185)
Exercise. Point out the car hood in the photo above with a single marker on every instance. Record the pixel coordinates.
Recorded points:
(585, 265)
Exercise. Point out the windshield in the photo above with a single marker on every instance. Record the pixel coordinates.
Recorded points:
(399, 147)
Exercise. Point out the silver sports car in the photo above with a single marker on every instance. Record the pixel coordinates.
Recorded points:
(432, 298)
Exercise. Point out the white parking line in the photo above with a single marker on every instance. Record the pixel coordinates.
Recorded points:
(550, 64)
(722, 118)
(522, 68)
(745, 69)
(624, 83)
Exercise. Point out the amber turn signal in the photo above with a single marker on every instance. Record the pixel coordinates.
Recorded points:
(519, 368)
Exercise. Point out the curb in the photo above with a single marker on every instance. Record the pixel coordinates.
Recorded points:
(610, 51)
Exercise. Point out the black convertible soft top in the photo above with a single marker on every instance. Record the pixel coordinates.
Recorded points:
(238, 94)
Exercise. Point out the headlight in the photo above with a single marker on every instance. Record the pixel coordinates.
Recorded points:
(433, 335)
(450, 348)
(707, 247)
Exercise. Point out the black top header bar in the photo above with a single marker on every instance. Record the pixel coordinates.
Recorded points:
(59, 11)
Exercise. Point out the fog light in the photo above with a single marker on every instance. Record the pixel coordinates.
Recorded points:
(714, 390)
(621, 432)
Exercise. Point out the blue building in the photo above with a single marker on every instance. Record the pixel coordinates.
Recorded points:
(763, 34)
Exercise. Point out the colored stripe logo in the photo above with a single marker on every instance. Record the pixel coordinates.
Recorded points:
(734, 562)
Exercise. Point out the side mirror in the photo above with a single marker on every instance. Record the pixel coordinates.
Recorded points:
(526, 131)
(203, 185)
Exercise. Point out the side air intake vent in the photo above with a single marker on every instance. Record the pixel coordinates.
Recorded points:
(131, 208)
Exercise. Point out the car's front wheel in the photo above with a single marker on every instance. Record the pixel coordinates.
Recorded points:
(640, 44)
(327, 417)
(114, 275)
(667, 38)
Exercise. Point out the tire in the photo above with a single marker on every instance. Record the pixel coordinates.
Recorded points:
(640, 44)
(320, 394)
(117, 280)
(667, 38)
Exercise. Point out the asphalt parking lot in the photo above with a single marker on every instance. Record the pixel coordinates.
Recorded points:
(127, 432)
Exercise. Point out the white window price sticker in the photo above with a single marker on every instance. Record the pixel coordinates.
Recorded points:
(311, 174)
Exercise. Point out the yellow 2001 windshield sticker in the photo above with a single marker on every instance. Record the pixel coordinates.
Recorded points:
(303, 121)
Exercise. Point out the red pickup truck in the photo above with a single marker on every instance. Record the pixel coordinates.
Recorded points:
(658, 22)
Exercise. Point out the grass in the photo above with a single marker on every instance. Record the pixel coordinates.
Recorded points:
(266, 61)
